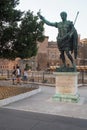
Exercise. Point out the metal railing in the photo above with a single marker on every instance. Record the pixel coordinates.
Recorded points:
(43, 77)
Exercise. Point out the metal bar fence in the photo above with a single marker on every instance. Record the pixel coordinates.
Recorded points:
(43, 77)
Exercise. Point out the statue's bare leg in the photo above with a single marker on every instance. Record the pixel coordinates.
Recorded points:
(71, 59)
(63, 58)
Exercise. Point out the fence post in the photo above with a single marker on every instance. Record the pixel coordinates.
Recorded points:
(43, 77)
(32, 76)
(7, 73)
(2, 72)
(38, 76)
(83, 77)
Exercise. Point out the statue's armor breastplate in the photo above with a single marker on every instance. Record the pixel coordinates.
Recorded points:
(63, 28)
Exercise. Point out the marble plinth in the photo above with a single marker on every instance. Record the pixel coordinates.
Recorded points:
(66, 87)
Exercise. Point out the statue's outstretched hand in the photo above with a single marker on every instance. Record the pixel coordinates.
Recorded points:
(39, 14)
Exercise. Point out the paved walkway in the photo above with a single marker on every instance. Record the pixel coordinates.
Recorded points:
(43, 103)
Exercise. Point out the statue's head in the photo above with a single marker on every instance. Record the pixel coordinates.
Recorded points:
(63, 15)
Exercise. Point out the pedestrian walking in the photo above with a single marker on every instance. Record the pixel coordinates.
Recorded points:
(13, 75)
(25, 76)
(18, 75)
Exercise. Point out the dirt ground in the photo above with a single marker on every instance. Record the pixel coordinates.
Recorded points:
(8, 91)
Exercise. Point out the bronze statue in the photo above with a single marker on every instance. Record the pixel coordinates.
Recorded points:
(67, 39)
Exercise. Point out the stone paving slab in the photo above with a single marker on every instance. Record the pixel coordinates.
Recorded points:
(43, 103)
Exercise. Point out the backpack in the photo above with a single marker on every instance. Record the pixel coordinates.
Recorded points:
(14, 72)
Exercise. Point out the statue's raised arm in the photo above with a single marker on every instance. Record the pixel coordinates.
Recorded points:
(46, 21)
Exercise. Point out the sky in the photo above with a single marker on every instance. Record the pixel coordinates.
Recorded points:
(51, 10)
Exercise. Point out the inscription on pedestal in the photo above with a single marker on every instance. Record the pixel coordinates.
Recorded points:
(66, 84)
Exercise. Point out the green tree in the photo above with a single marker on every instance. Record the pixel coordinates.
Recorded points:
(9, 18)
(31, 30)
(18, 41)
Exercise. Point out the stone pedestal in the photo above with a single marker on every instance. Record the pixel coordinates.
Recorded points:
(66, 87)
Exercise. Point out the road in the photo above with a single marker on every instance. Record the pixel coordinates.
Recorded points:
(21, 120)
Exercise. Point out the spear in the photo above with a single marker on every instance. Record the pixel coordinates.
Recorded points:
(76, 17)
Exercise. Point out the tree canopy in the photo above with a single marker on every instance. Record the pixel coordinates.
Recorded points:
(30, 31)
(9, 16)
(19, 31)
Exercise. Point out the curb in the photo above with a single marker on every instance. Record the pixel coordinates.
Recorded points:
(9, 100)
